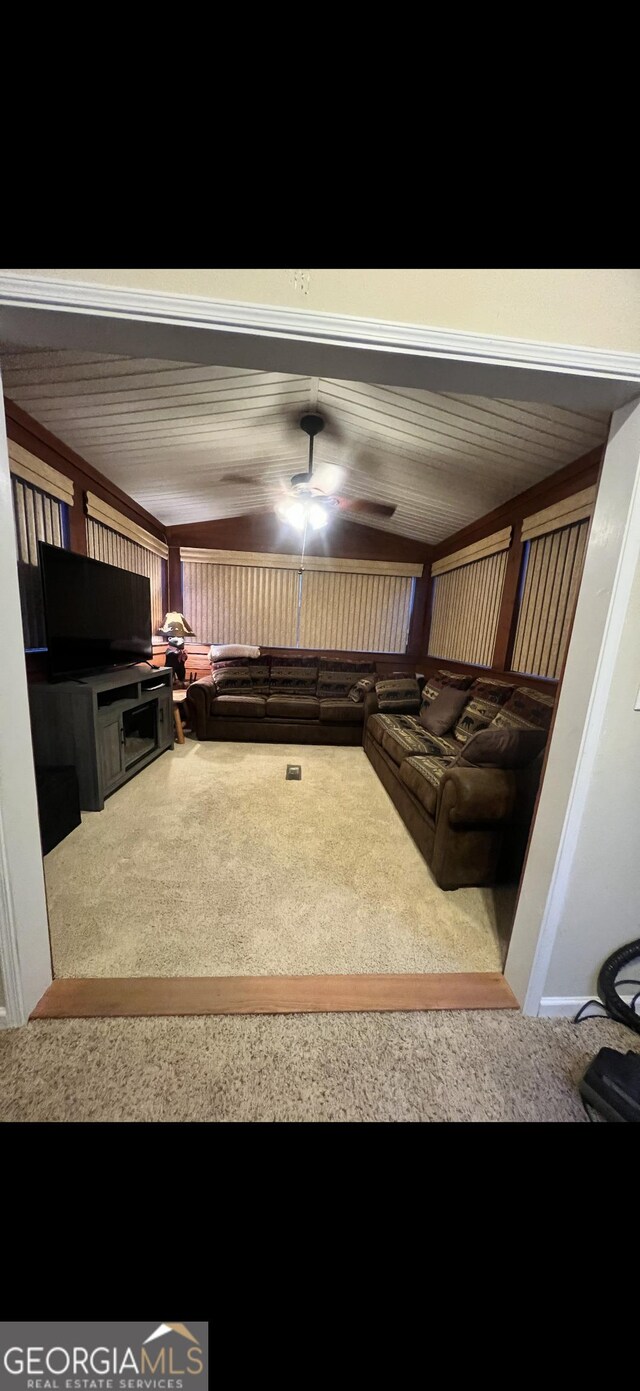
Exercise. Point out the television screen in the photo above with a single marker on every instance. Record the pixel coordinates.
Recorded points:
(96, 616)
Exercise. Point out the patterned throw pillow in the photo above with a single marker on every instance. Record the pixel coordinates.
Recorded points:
(359, 691)
(502, 748)
(486, 698)
(241, 674)
(400, 693)
(336, 678)
(527, 709)
(293, 675)
(438, 680)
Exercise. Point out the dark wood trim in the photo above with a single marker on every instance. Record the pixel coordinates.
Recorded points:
(508, 617)
(579, 474)
(140, 996)
(25, 431)
(540, 683)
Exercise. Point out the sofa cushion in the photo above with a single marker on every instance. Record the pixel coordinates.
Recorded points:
(502, 748)
(336, 678)
(362, 688)
(439, 680)
(403, 735)
(486, 698)
(439, 716)
(341, 711)
(238, 707)
(423, 777)
(293, 676)
(241, 673)
(527, 709)
(398, 693)
(400, 727)
(293, 707)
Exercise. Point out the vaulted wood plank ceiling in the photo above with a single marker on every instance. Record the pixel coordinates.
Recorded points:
(168, 433)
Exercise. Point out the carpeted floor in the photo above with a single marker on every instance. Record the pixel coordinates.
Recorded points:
(460, 1066)
(210, 863)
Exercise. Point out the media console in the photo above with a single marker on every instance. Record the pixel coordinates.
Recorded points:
(108, 727)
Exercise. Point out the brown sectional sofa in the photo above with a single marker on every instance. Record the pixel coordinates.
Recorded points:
(299, 700)
(470, 823)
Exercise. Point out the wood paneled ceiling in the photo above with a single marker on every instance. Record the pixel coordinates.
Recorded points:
(167, 432)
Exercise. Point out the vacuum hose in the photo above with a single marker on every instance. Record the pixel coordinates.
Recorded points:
(612, 1001)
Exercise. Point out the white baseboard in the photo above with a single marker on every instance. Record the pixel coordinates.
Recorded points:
(567, 1006)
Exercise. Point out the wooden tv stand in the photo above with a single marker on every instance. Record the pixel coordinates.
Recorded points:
(108, 727)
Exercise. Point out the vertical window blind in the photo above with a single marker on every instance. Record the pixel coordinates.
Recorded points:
(357, 613)
(116, 549)
(467, 592)
(38, 517)
(551, 582)
(41, 495)
(344, 605)
(241, 603)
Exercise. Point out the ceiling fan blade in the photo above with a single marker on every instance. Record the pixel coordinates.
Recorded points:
(241, 478)
(360, 504)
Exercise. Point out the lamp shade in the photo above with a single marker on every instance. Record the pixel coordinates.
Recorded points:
(175, 626)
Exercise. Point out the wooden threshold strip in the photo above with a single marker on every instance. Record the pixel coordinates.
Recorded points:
(157, 995)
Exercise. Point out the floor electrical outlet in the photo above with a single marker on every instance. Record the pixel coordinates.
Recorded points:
(294, 771)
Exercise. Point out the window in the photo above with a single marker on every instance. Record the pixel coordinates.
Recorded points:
(555, 543)
(38, 517)
(467, 592)
(115, 549)
(552, 572)
(355, 613)
(344, 605)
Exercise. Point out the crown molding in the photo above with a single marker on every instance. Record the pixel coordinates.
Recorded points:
(41, 292)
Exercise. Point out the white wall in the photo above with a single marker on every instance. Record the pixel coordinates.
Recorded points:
(592, 308)
(24, 938)
(580, 895)
(602, 899)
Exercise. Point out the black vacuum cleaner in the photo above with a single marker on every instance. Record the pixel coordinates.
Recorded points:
(611, 1083)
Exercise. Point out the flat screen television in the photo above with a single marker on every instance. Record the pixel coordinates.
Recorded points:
(96, 616)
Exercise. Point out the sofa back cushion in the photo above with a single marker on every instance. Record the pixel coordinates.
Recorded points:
(398, 693)
(439, 680)
(293, 676)
(486, 699)
(336, 677)
(234, 674)
(527, 709)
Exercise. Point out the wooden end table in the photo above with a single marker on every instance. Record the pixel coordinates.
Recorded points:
(178, 697)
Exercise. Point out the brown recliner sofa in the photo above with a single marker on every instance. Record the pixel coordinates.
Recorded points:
(470, 823)
(298, 700)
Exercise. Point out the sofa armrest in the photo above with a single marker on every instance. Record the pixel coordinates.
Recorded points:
(199, 694)
(371, 706)
(469, 796)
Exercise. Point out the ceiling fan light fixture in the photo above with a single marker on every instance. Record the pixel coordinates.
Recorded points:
(293, 513)
(318, 515)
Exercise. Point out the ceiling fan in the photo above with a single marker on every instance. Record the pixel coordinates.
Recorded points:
(305, 501)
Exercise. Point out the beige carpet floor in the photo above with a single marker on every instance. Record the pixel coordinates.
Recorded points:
(462, 1066)
(210, 863)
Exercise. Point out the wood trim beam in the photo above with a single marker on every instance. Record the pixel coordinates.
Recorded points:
(143, 996)
(23, 464)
